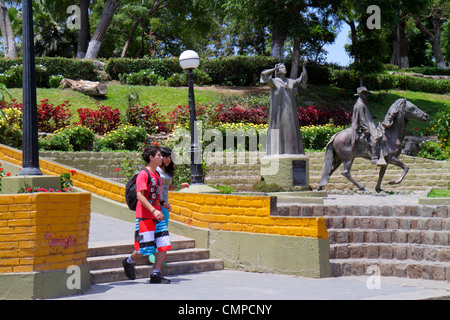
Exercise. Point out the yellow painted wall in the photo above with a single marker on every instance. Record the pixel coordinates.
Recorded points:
(43, 231)
(241, 214)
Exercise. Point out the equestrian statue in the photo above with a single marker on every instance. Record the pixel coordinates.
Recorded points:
(381, 144)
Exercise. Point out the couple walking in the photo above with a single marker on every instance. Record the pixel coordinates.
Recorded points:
(152, 212)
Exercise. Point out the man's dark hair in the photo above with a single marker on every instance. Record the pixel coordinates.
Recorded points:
(149, 152)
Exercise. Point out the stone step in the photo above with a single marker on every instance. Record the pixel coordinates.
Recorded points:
(418, 253)
(105, 260)
(388, 267)
(425, 237)
(127, 248)
(115, 261)
(388, 223)
(170, 269)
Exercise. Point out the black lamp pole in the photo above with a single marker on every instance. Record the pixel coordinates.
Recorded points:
(196, 158)
(30, 157)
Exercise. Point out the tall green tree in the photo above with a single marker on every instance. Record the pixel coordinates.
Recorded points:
(436, 16)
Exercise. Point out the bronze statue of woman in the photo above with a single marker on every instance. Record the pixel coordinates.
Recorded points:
(283, 115)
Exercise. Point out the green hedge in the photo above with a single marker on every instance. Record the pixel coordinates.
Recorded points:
(162, 67)
(347, 79)
(69, 68)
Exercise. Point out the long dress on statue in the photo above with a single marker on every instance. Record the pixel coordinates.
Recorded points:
(284, 136)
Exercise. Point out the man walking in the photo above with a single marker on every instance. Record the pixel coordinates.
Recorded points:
(148, 214)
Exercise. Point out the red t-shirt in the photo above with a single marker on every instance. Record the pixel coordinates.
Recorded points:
(152, 193)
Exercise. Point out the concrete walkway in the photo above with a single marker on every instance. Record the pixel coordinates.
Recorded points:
(237, 285)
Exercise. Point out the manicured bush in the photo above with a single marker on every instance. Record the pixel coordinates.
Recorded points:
(74, 69)
(12, 77)
(384, 81)
(162, 67)
(237, 70)
(100, 121)
(180, 79)
(124, 138)
(142, 78)
(55, 81)
(80, 138)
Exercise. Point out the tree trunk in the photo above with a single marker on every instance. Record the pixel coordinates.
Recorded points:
(435, 40)
(9, 43)
(100, 31)
(295, 58)
(130, 37)
(278, 40)
(90, 88)
(404, 59)
(84, 32)
(354, 38)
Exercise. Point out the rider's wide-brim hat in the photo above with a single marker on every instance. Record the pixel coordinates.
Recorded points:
(361, 90)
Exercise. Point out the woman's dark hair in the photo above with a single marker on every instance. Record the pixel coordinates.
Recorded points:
(149, 151)
(170, 169)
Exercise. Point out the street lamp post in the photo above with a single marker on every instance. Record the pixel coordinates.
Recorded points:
(189, 60)
(30, 157)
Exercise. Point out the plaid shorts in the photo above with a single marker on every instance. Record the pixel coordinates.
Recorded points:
(150, 236)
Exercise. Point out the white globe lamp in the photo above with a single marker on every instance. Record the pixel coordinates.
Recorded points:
(189, 59)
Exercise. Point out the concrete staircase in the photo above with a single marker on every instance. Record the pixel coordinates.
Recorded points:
(401, 246)
(106, 261)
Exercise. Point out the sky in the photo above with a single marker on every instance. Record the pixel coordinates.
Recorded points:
(336, 51)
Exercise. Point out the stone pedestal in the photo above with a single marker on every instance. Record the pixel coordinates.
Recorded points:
(12, 185)
(286, 170)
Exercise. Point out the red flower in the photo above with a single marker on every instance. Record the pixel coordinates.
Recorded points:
(416, 128)
(155, 143)
(117, 169)
(8, 174)
(72, 172)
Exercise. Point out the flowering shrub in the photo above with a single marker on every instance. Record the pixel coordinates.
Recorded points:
(434, 150)
(181, 116)
(100, 121)
(234, 114)
(124, 138)
(440, 126)
(11, 129)
(149, 117)
(313, 115)
(317, 137)
(51, 118)
(3, 174)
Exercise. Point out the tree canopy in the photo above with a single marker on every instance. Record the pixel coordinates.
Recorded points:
(410, 33)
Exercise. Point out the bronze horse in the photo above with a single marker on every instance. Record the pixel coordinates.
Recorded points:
(339, 149)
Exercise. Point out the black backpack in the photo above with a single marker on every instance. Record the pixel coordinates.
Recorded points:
(130, 190)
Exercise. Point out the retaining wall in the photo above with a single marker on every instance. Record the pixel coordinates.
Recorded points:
(241, 231)
(41, 235)
(244, 173)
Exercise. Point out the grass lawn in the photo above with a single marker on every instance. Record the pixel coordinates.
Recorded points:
(168, 98)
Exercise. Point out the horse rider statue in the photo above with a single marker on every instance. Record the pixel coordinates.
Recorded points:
(364, 128)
